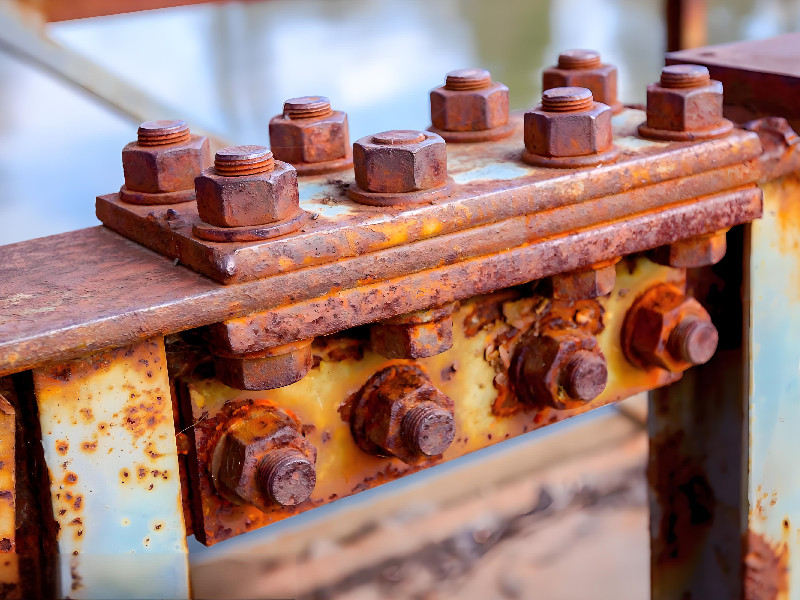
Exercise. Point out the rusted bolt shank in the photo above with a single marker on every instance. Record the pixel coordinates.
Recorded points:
(161, 165)
(311, 136)
(666, 329)
(558, 368)
(261, 458)
(686, 104)
(247, 195)
(470, 107)
(583, 68)
(400, 413)
(568, 129)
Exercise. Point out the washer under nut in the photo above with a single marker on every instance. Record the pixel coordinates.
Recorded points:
(400, 413)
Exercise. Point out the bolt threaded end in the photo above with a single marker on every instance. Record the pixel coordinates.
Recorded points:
(693, 340)
(567, 99)
(307, 107)
(585, 376)
(238, 161)
(428, 429)
(161, 133)
(684, 76)
(398, 137)
(467, 79)
(286, 476)
(579, 59)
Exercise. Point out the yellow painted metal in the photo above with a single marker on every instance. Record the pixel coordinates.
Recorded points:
(466, 373)
(109, 443)
(9, 569)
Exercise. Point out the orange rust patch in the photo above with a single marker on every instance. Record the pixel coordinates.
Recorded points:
(87, 415)
(766, 568)
(70, 478)
(142, 416)
(89, 446)
(62, 447)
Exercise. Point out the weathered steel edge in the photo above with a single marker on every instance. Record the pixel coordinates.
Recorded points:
(148, 295)
(343, 309)
(470, 205)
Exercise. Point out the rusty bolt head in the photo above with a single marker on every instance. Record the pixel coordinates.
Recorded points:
(308, 131)
(247, 187)
(559, 367)
(568, 123)
(262, 459)
(165, 158)
(400, 413)
(400, 161)
(582, 285)
(666, 329)
(266, 370)
(416, 335)
(583, 68)
(469, 101)
(699, 251)
(685, 99)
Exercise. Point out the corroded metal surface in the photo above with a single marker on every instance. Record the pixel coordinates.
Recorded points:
(109, 442)
(474, 373)
(490, 185)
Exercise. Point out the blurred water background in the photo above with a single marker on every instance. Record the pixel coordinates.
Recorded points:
(228, 67)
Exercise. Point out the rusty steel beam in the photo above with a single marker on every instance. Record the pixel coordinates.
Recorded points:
(41, 326)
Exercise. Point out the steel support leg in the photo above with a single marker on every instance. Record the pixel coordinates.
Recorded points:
(109, 443)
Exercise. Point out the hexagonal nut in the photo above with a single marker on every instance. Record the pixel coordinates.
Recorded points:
(469, 110)
(560, 369)
(266, 370)
(684, 109)
(691, 253)
(415, 338)
(602, 81)
(400, 413)
(417, 163)
(248, 441)
(309, 140)
(582, 285)
(248, 200)
(564, 134)
(168, 168)
(667, 329)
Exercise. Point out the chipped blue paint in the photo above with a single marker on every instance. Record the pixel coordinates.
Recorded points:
(774, 479)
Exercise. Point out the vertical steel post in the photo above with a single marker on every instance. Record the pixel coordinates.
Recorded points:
(698, 453)
(773, 549)
(109, 443)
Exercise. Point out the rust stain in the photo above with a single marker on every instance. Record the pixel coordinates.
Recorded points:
(687, 509)
(766, 567)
